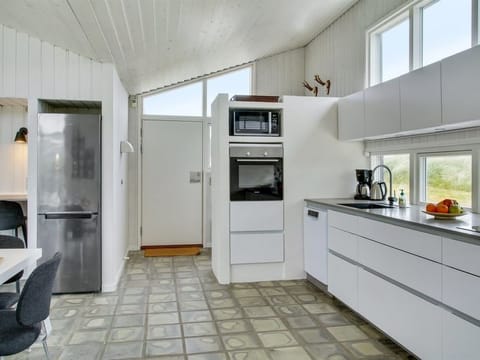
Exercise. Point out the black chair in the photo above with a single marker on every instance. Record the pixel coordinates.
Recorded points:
(11, 218)
(21, 327)
(8, 299)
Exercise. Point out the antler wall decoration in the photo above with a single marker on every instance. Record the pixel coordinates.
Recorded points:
(314, 89)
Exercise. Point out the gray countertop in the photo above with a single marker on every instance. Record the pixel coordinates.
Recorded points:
(410, 217)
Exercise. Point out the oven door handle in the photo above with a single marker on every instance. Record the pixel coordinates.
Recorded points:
(258, 160)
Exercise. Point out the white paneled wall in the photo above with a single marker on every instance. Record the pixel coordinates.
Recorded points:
(13, 157)
(281, 74)
(34, 69)
(339, 52)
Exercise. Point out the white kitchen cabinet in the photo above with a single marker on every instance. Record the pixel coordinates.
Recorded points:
(351, 117)
(410, 320)
(315, 243)
(343, 280)
(343, 243)
(416, 242)
(402, 267)
(256, 216)
(382, 109)
(461, 291)
(421, 98)
(461, 255)
(460, 338)
(343, 221)
(461, 87)
(252, 248)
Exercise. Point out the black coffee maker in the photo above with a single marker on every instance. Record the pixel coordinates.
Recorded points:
(364, 179)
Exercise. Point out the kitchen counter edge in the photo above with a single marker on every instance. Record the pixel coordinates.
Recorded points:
(410, 217)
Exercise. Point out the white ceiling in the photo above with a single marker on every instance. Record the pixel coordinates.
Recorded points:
(154, 43)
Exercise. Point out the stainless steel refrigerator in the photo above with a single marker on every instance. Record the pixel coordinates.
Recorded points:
(69, 198)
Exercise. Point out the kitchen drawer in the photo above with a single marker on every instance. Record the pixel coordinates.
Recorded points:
(256, 215)
(461, 291)
(251, 248)
(343, 221)
(460, 338)
(343, 280)
(412, 321)
(422, 275)
(343, 243)
(416, 242)
(461, 255)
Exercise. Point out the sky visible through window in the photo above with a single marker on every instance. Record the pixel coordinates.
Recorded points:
(232, 83)
(187, 100)
(395, 51)
(447, 26)
(181, 101)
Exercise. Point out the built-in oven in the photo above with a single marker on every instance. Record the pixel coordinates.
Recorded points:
(256, 172)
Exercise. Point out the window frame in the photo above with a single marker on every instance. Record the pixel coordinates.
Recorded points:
(414, 11)
(203, 80)
(415, 168)
(421, 165)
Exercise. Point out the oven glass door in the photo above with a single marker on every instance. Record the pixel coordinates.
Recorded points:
(256, 179)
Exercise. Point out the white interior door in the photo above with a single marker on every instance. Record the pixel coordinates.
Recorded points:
(172, 183)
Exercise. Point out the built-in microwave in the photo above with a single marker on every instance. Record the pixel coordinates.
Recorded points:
(255, 122)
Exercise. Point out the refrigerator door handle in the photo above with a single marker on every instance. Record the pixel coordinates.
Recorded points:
(70, 215)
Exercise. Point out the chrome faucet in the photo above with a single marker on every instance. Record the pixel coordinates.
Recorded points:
(391, 199)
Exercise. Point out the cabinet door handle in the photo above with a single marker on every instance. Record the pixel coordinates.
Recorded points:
(313, 213)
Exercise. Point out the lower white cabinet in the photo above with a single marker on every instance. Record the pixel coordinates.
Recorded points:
(315, 247)
(460, 338)
(256, 215)
(402, 267)
(251, 248)
(412, 321)
(461, 291)
(343, 280)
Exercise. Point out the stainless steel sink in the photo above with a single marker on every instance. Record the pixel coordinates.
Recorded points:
(367, 206)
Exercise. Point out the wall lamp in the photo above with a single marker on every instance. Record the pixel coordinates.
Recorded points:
(21, 137)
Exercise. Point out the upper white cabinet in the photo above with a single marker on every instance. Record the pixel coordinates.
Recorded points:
(461, 87)
(382, 109)
(443, 93)
(421, 98)
(351, 117)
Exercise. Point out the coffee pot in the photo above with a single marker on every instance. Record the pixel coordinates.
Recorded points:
(363, 190)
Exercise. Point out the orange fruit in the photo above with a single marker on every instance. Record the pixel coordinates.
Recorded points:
(442, 208)
(431, 207)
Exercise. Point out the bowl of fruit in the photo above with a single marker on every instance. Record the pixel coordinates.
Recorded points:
(445, 209)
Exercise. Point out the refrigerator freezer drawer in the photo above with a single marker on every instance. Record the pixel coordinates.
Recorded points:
(78, 239)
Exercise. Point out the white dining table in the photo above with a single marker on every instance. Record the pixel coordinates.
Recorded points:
(13, 261)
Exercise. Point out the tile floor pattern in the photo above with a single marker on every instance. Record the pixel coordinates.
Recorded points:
(173, 308)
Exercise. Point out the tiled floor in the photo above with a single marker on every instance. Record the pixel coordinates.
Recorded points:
(173, 308)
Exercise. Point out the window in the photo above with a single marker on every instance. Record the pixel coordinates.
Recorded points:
(446, 176)
(184, 100)
(399, 164)
(440, 28)
(394, 44)
(190, 100)
(236, 82)
(446, 29)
